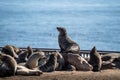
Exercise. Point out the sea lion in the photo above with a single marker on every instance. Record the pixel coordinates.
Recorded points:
(30, 51)
(24, 55)
(65, 43)
(16, 49)
(78, 62)
(60, 60)
(22, 70)
(33, 59)
(110, 61)
(50, 65)
(95, 59)
(8, 65)
(8, 49)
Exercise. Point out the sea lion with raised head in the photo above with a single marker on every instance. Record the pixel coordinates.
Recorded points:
(9, 67)
(95, 59)
(50, 65)
(24, 55)
(60, 61)
(33, 59)
(8, 49)
(65, 43)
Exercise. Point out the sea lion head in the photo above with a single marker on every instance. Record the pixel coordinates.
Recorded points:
(62, 30)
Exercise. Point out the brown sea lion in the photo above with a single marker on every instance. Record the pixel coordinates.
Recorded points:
(33, 59)
(24, 55)
(111, 61)
(65, 43)
(22, 70)
(78, 62)
(95, 59)
(8, 49)
(30, 51)
(50, 65)
(8, 65)
(16, 49)
(60, 61)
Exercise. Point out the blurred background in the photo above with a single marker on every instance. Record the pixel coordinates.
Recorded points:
(33, 22)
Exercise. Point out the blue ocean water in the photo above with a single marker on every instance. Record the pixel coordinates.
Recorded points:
(33, 22)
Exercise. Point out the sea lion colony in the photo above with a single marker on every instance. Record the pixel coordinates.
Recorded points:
(16, 61)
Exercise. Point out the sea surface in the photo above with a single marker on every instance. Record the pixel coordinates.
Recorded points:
(33, 22)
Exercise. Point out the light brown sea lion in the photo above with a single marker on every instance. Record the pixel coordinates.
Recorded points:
(50, 65)
(60, 61)
(95, 59)
(78, 62)
(65, 43)
(30, 51)
(8, 49)
(110, 61)
(8, 65)
(33, 59)
(22, 70)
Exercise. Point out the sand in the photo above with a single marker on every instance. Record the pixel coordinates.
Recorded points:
(111, 74)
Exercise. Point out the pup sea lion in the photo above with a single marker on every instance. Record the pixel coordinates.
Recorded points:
(95, 59)
(65, 43)
(33, 59)
(8, 65)
(50, 65)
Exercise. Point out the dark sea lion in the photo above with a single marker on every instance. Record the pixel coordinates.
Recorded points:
(33, 59)
(95, 59)
(65, 43)
(8, 65)
(50, 65)
(16, 49)
(8, 49)
(22, 57)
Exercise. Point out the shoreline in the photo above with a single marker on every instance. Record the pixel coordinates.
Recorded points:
(109, 74)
